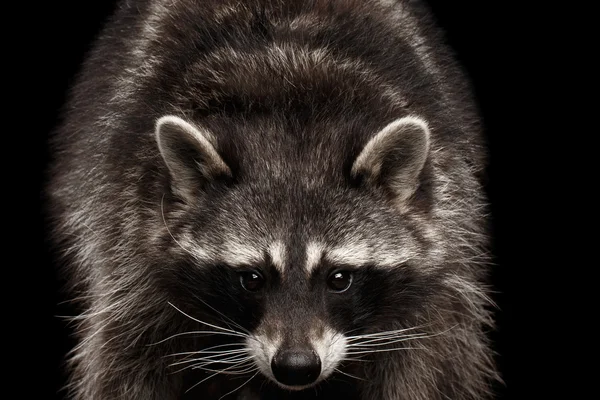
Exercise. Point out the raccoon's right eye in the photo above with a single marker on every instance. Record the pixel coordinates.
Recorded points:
(340, 281)
(252, 281)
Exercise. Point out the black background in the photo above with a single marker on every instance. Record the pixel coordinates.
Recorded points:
(489, 40)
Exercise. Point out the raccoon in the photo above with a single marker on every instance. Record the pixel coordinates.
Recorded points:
(268, 199)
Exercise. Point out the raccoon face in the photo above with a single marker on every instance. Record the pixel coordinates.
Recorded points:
(312, 324)
(306, 276)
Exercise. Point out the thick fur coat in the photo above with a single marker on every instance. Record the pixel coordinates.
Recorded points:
(238, 177)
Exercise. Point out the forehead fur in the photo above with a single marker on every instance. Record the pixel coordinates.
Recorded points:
(301, 228)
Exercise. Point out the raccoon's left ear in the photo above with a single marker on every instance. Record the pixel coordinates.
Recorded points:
(395, 157)
(190, 155)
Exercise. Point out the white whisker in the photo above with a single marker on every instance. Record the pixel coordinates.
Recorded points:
(208, 377)
(355, 359)
(220, 313)
(226, 360)
(359, 346)
(209, 348)
(384, 342)
(376, 334)
(383, 350)
(228, 393)
(384, 338)
(234, 371)
(195, 333)
(202, 366)
(206, 323)
(350, 375)
(207, 352)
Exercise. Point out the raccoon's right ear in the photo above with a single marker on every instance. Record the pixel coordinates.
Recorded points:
(395, 157)
(190, 156)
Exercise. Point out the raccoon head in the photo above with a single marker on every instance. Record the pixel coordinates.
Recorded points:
(297, 259)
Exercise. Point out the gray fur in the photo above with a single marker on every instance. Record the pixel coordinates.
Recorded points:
(285, 97)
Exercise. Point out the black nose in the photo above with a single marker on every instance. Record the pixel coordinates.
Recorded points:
(296, 367)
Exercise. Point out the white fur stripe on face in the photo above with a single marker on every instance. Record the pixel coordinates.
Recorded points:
(277, 253)
(360, 253)
(354, 254)
(239, 254)
(314, 254)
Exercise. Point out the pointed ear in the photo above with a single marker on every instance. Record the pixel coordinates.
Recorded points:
(190, 155)
(395, 157)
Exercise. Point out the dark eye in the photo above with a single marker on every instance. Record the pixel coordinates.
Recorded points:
(252, 281)
(340, 281)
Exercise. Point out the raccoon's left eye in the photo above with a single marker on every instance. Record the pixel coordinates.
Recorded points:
(252, 281)
(340, 281)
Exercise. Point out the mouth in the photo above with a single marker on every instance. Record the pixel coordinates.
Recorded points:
(296, 388)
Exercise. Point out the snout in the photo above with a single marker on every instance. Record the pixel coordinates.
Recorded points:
(296, 367)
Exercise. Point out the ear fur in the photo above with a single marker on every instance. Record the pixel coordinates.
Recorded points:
(395, 157)
(190, 155)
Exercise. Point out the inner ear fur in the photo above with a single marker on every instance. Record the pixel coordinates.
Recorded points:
(190, 155)
(395, 157)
